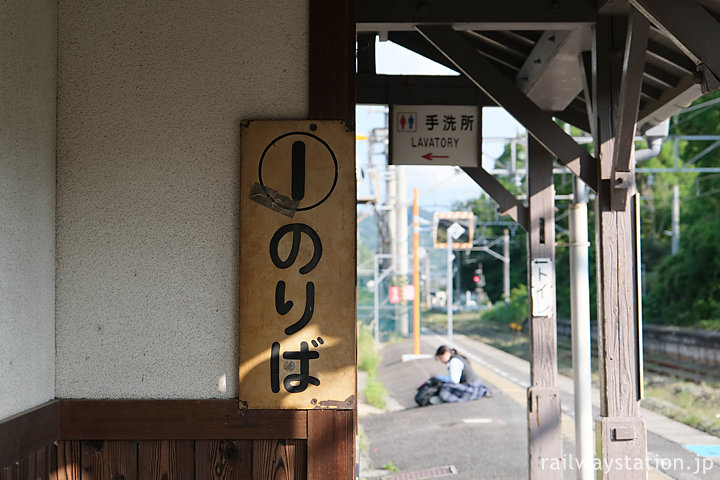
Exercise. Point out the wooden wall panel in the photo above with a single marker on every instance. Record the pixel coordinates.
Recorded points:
(331, 444)
(69, 466)
(204, 459)
(166, 459)
(9, 472)
(223, 459)
(25, 468)
(109, 460)
(22, 435)
(45, 462)
(279, 460)
(40, 464)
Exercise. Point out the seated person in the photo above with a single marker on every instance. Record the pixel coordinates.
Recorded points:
(461, 384)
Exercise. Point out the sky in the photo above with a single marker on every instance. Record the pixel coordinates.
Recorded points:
(439, 186)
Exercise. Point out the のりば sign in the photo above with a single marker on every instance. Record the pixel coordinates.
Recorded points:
(297, 265)
(435, 135)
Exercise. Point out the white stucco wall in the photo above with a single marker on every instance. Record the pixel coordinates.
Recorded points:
(27, 204)
(151, 95)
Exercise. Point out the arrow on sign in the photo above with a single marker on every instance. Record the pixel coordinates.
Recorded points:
(430, 156)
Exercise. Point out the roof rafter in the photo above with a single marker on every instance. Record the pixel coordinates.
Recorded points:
(689, 26)
(506, 94)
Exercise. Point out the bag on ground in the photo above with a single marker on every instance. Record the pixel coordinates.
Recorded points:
(427, 390)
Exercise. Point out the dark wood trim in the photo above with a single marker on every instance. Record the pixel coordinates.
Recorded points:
(332, 97)
(332, 61)
(175, 420)
(419, 90)
(26, 433)
(505, 15)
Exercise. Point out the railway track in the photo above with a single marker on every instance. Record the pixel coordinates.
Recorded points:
(679, 366)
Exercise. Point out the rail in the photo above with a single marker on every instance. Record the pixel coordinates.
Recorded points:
(692, 355)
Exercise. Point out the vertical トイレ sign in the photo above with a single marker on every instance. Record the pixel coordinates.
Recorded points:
(297, 265)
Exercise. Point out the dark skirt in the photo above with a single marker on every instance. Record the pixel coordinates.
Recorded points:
(462, 392)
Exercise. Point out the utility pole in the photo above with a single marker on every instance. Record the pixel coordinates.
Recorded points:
(401, 217)
(378, 277)
(676, 220)
(453, 232)
(458, 267)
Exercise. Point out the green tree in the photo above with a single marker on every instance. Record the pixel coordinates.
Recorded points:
(683, 289)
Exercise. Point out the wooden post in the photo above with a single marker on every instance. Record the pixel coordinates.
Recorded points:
(331, 435)
(621, 435)
(544, 414)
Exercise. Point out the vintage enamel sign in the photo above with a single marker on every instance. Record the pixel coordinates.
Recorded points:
(297, 265)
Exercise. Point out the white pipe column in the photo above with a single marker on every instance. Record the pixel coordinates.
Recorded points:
(581, 341)
(450, 288)
(676, 220)
(506, 265)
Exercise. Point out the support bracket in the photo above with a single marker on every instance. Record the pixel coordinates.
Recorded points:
(507, 203)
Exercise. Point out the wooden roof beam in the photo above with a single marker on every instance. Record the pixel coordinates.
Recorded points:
(672, 100)
(695, 31)
(550, 75)
(505, 93)
(418, 90)
(381, 15)
(507, 203)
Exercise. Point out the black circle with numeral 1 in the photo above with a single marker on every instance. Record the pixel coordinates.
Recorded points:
(298, 170)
